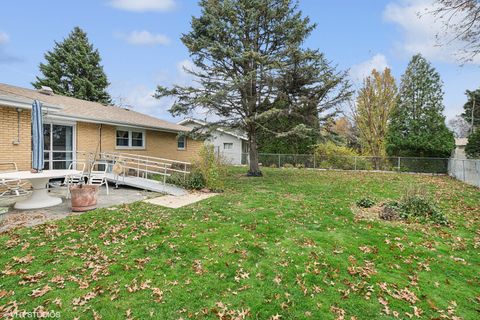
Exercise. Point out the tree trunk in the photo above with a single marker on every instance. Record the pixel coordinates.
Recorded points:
(254, 170)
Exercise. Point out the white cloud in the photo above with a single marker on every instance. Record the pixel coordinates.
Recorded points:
(4, 37)
(143, 5)
(420, 28)
(145, 38)
(360, 71)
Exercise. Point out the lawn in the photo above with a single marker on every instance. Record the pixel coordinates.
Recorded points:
(285, 246)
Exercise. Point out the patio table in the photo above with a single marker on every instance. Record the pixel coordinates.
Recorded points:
(39, 197)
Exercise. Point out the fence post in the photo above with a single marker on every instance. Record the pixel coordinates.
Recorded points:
(279, 160)
(398, 164)
(314, 161)
(463, 169)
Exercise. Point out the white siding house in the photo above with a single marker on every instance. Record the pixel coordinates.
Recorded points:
(226, 142)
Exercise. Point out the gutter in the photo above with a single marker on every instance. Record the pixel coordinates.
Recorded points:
(8, 101)
(112, 123)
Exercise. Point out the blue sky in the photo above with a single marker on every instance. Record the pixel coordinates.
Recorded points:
(139, 42)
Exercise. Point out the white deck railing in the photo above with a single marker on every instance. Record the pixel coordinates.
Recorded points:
(136, 165)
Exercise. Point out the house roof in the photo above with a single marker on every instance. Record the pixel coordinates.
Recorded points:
(203, 123)
(86, 111)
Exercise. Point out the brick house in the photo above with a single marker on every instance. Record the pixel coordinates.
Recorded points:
(72, 125)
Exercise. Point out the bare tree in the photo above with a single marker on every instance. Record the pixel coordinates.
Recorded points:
(459, 126)
(461, 19)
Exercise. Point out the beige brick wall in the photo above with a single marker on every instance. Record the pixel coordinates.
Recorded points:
(10, 152)
(158, 144)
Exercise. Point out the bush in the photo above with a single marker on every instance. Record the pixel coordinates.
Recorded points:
(300, 166)
(414, 205)
(211, 167)
(365, 203)
(192, 181)
(329, 155)
(390, 211)
(288, 165)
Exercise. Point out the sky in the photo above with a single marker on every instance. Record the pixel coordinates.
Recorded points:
(139, 42)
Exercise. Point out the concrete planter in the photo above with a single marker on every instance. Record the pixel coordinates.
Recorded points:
(84, 197)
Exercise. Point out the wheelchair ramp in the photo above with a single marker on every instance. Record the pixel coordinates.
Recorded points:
(147, 184)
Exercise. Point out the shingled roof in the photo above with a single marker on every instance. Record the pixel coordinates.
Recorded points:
(87, 111)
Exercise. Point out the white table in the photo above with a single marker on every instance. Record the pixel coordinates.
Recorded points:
(39, 197)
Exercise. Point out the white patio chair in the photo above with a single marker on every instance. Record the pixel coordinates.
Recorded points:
(11, 187)
(74, 178)
(98, 177)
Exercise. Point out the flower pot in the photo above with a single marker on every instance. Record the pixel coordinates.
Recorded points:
(83, 197)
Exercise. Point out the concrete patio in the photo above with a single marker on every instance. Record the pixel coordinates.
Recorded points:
(19, 218)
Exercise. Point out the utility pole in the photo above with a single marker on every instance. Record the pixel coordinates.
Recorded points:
(473, 109)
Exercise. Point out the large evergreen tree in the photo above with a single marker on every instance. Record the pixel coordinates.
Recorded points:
(473, 102)
(417, 126)
(73, 69)
(243, 50)
(297, 129)
(472, 149)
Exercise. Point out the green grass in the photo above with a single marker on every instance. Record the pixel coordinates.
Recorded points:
(286, 244)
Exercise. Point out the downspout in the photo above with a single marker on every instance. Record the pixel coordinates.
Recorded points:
(18, 127)
(100, 137)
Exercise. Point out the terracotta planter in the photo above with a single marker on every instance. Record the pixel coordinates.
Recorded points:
(84, 197)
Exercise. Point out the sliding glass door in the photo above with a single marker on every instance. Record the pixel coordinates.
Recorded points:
(58, 145)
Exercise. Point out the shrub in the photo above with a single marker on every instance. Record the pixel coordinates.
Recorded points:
(390, 211)
(365, 203)
(414, 205)
(288, 165)
(300, 166)
(192, 181)
(329, 155)
(212, 168)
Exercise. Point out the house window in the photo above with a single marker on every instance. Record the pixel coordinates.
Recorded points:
(137, 139)
(133, 139)
(122, 138)
(228, 146)
(181, 143)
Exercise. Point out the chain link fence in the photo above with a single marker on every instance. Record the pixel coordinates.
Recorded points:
(398, 164)
(465, 170)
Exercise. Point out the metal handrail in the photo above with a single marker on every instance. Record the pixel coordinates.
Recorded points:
(143, 165)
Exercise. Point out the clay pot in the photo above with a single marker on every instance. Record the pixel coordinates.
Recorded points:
(84, 197)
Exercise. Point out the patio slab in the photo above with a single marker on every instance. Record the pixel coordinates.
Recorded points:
(180, 201)
(17, 218)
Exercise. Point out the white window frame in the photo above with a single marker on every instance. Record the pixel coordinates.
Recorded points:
(228, 143)
(184, 143)
(73, 124)
(130, 130)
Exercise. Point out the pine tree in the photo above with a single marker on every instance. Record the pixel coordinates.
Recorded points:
(73, 69)
(296, 130)
(472, 149)
(472, 102)
(243, 50)
(417, 126)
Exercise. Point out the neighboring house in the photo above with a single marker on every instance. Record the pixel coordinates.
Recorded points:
(72, 125)
(231, 144)
(459, 151)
